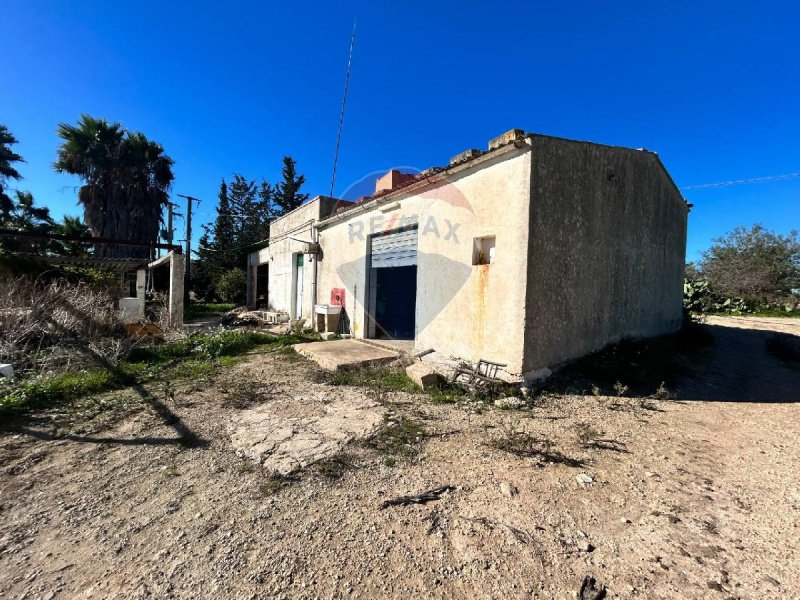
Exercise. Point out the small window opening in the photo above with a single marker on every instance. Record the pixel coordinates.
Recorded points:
(129, 284)
(483, 250)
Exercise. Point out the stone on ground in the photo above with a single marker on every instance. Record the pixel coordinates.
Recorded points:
(423, 375)
(509, 402)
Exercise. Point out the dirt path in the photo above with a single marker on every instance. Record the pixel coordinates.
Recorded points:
(689, 499)
(741, 369)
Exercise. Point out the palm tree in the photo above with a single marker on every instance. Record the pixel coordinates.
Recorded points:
(24, 215)
(74, 227)
(126, 181)
(7, 171)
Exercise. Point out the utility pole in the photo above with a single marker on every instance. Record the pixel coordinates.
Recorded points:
(168, 234)
(188, 272)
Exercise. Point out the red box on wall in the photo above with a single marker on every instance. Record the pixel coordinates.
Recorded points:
(337, 296)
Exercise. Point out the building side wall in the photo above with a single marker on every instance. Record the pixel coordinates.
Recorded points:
(281, 255)
(607, 250)
(463, 310)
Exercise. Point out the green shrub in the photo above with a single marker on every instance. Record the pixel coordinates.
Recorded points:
(232, 286)
(201, 310)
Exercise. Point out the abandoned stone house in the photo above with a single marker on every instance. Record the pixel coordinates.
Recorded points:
(531, 253)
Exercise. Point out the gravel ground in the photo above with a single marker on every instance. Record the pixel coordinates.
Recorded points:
(683, 498)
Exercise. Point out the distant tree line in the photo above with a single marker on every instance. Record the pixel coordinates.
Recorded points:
(244, 210)
(747, 270)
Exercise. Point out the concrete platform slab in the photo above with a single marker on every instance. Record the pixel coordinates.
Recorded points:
(345, 354)
(401, 346)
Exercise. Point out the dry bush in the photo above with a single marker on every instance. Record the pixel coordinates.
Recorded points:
(57, 324)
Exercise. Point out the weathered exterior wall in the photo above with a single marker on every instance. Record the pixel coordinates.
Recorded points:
(281, 255)
(462, 310)
(607, 249)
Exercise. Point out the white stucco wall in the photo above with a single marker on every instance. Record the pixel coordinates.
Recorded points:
(466, 311)
(288, 238)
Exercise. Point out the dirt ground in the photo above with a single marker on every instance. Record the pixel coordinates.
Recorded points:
(697, 496)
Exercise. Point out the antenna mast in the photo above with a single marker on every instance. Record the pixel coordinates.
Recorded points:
(344, 102)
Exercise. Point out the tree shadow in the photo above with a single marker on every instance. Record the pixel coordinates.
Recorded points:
(186, 438)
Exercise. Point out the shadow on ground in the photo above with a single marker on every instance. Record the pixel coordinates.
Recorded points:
(746, 365)
(703, 362)
(185, 438)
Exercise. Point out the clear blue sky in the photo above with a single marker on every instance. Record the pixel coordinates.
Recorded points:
(713, 87)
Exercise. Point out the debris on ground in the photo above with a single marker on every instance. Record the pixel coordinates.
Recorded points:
(508, 490)
(423, 498)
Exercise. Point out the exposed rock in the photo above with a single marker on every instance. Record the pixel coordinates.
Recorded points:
(583, 545)
(509, 402)
(508, 490)
(423, 375)
(287, 435)
(584, 480)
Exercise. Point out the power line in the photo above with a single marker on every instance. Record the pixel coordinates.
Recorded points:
(720, 184)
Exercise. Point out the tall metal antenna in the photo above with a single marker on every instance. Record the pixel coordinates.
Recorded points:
(344, 102)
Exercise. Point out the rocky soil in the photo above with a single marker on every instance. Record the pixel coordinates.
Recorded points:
(675, 498)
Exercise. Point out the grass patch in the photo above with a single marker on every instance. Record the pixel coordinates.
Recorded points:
(382, 379)
(65, 387)
(204, 310)
(397, 437)
(446, 393)
(387, 379)
(191, 358)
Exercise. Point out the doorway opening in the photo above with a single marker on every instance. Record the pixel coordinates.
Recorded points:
(262, 286)
(395, 302)
(393, 284)
(298, 287)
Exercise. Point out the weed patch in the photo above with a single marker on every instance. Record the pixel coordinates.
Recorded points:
(244, 393)
(397, 437)
(204, 310)
(522, 444)
(385, 379)
(639, 368)
(193, 358)
(275, 482)
(336, 466)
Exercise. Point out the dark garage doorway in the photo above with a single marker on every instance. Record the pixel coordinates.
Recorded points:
(393, 284)
(395, 302)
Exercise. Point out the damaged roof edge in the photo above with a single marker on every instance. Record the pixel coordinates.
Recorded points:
(435, 175)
